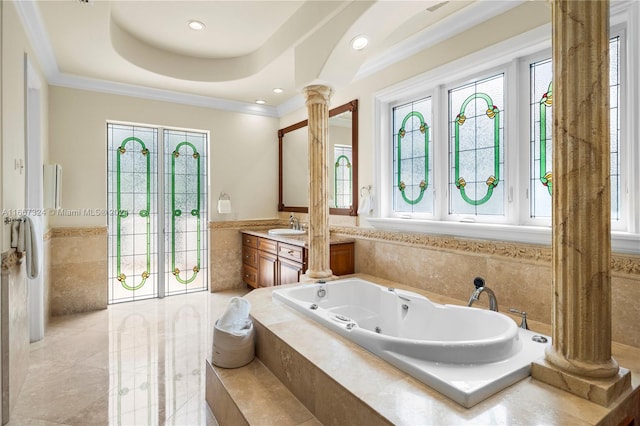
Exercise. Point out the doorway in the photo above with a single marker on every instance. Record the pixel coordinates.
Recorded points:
(157, 211)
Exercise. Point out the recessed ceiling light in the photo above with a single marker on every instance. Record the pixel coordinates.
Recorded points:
(278, 90)
(359, 42)
(196, 25)
(261, 101)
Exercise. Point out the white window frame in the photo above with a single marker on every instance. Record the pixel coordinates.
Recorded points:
(513, 55)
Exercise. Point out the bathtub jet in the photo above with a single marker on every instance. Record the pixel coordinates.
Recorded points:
(467, 354)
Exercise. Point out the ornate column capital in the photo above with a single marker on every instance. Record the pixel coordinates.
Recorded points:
(318, 94)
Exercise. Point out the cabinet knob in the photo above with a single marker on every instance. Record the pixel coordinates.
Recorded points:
(291, 252)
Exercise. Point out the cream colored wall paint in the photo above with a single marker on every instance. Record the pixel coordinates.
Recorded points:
(243, 150)
(14, 46)
(516, 21)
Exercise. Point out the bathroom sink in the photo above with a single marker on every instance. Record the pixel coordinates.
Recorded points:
(286, 231)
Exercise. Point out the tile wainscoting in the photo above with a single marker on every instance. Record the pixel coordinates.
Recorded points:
(78, 269)
(519, 274)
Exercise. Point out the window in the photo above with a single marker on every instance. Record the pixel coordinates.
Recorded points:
(541, 103)
(342, 176)
(476, 147)
(465, 149)
(412, 190)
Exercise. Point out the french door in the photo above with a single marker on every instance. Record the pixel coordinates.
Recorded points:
(157, 205)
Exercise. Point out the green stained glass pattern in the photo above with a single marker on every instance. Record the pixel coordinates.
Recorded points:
(129, 283)
(541, 176)
(422, 172)
(476, 148)
(342, 177)
(191, 207)
(131, 201)
(185, 206)
(545, 103)
(412, 191)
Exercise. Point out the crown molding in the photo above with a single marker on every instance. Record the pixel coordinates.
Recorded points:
(448, 27)
(37, 35)
(125, 89)
(293, 104)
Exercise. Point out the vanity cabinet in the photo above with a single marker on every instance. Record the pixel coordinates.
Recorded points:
(267, 262)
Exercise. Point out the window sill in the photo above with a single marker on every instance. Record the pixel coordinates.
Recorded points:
(621, 242)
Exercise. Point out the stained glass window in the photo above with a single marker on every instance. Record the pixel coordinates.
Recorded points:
(541, 106)
(412, 153)
(342, 177)
(476, 153)
(132, 197)
(185, 203)
(135, 158)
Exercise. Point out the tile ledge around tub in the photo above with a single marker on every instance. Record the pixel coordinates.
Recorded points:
(283, 323)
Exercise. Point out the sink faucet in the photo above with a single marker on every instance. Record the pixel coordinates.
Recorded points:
(480, 288)
(293, 222)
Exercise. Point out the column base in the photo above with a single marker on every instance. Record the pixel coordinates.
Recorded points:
(305, 278)
(600, 391)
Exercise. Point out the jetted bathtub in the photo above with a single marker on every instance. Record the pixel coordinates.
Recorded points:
(467, 354)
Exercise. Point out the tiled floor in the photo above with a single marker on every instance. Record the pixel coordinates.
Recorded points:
(139, 363)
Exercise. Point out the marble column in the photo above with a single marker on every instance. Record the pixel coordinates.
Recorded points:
(318, 97)
(580, 358)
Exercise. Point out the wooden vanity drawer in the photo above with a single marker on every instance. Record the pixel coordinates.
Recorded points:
(249, 240)
(269, 246)
(250, 275)
(291, 252)
(250, 256)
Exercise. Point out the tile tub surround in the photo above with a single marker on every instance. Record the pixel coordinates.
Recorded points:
(78, 271)
(340, 382)
(519, 274)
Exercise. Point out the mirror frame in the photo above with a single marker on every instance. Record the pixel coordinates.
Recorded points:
(351, 211)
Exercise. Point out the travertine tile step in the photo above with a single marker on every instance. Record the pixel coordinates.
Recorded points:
(252, 395)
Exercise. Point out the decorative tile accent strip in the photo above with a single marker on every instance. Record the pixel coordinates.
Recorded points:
(240, 224)
(620, 263)
(10, 258)
(78, 231)
(47, 235)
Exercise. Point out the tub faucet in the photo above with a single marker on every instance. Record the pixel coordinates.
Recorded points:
(293, 222)
(480, 288)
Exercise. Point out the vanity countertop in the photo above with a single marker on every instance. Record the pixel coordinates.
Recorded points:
(397, 398)
(296, 240)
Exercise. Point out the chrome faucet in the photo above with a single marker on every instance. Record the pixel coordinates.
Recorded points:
(293, 222)
(480, 288)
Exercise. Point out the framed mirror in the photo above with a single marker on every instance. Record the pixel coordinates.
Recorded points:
(342, 161)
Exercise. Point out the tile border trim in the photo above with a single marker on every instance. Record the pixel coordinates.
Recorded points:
(89, 231)
(620, 263)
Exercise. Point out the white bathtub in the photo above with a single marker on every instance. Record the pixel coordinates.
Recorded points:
(467, 354)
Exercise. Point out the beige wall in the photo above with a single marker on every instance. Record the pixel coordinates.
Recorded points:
(14, 47)
(15, 325)
(242, 157)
